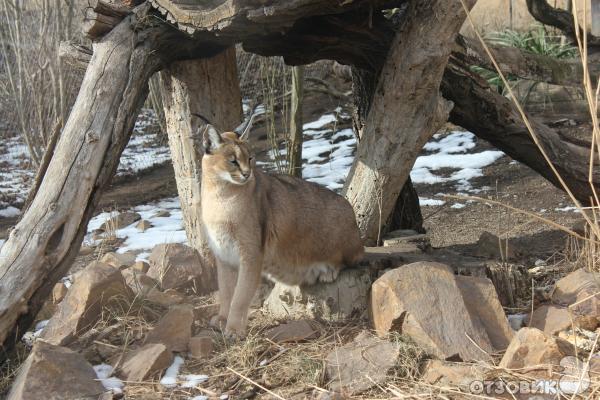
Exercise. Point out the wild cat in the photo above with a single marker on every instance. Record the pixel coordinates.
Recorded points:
(256, 224)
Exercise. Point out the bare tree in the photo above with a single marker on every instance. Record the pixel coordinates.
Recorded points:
(296, 132)
(35, 92)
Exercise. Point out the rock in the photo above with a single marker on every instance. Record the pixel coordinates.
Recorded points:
(491, 246)
(120, 221)
(162, 214)
(143, 225)
(411, 240)
(177, 266)
(517, 321)
(55, 373)
(201, 346)
(141, 266)
(447, 373)
(144, 363)
(423, 301)
(483, 305)
(292, 331)
(59, 292)
(86, 250)
(97, 287)
(360, 364)
(347, 296)
(550, 319)
(580, 227)
(174, 329)
(139, 282)
(531, 347)
(167, 298)
(580, 287)
(118, 260)
(587, 322)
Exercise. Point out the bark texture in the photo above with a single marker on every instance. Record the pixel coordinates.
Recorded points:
(406, 111)
(296, 131)
(208, 87)
(41, 248)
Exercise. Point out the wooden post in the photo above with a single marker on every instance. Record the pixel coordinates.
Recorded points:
(406, 111)
(296, 131)
(208, 87)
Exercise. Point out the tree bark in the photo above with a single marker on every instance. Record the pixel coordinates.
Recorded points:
(407, 211)
(208, 87)
(296, 131)
(41, 248)
(494, 118)
(558, 18)
(406, 111)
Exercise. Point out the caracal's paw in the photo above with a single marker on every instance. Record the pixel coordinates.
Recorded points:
(234, 333)
(218, 322)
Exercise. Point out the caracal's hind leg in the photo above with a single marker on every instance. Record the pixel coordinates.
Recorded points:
(227, 276)
(249, 277)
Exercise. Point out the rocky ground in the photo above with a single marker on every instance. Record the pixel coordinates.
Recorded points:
(488, 299)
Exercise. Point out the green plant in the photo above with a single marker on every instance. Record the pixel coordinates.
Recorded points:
(537, 41)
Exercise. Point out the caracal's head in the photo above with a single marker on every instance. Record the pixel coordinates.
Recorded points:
(227, 157)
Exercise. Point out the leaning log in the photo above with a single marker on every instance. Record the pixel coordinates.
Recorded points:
(494, 118)
(41, 248)
(405, 112)
(208, 87)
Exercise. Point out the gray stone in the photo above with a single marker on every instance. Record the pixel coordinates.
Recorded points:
(360, 364)
(120, 221)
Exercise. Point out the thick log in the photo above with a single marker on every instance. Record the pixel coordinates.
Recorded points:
(494, 118)
(41, 248)
(96, 25)
(115, 8)
(208, 87)
(523, 64)
(407, 211)
(406, 111)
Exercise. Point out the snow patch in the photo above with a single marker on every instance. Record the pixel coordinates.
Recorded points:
(430, 202)
(104, 372)
(449, 153)
(10, 212)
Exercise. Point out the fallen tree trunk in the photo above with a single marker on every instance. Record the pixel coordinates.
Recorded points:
(41, 248)
(494, 118)
(208, 87)
(405, 112)
(523, 64)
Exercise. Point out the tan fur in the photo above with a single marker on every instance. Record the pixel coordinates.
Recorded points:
(285, 228)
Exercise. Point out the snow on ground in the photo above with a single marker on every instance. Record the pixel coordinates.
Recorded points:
(172, 378)
(146, 149)
(327, 151)
(164, 229)
(104, 372)
(450, 152)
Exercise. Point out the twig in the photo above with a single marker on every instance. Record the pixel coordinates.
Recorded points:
(255, 384)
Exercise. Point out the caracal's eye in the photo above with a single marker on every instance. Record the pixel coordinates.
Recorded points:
(234, 162)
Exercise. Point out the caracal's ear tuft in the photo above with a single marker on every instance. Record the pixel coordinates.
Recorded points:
(211, 139)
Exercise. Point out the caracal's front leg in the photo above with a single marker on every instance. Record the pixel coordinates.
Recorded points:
(227, 276)
(249, 276)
